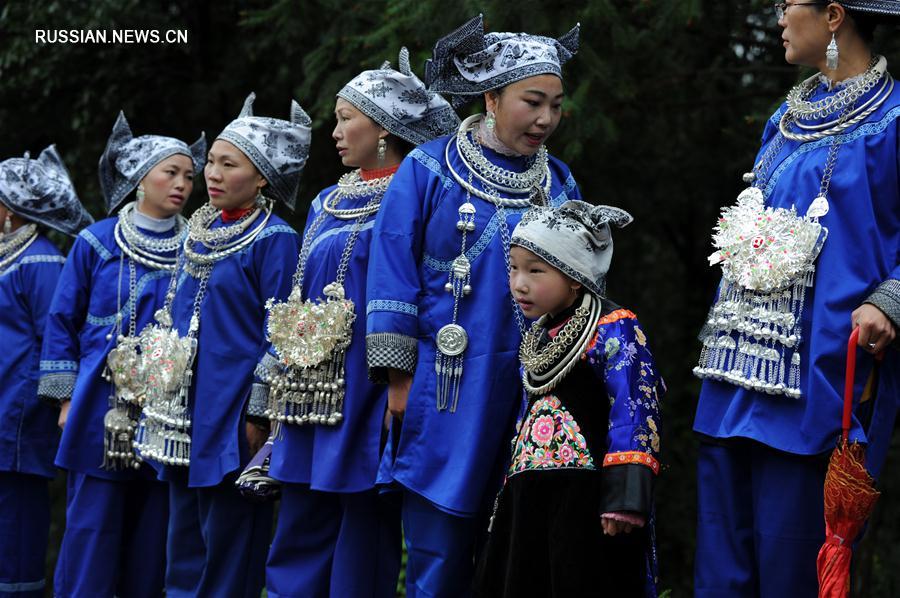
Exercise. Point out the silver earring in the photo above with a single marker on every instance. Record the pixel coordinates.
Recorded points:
(382, 149)
(832, 54)
(490, 121)
(260, 198)
(7, 224)
(139, 194)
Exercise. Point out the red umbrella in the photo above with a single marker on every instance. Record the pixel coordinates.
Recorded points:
(850, 496)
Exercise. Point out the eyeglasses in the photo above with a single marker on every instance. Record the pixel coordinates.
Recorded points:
(782, 7)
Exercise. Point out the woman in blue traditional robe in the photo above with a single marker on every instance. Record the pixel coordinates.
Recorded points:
(238, 255)
(335, 535)
(441, 324)
(775, 346)
(114, 280)
(32, 193)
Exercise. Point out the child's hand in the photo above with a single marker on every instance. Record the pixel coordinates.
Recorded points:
(615, 523)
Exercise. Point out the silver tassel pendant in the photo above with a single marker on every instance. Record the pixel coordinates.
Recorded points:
(118, 440)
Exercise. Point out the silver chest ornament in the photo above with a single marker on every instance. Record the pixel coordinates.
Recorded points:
(311, 340)
(753, 332)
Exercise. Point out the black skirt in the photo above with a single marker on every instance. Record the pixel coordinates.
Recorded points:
(547, 541)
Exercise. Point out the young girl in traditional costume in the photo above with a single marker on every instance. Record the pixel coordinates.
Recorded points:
(572, 517)
(441, 325)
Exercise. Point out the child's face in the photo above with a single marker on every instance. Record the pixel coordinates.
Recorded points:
(538, 287)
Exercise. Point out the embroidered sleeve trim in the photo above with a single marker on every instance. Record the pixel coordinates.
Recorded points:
(57, 387)
(389, 350)
(54, 366)
(631, 457)
(267, 366)
(259, 397)
(887, 298)
(393, 306)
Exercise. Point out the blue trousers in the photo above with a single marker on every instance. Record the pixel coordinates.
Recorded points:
(115, 539)
(330, 544)
(24, 529)
(217, 542)
(760, 521)
(440, 549)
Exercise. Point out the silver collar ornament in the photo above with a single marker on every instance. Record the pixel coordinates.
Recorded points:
(503, 188)
(543, 368)
(311, 336)
(14, 244)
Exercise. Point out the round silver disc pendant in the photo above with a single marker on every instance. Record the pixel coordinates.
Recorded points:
(452, 340)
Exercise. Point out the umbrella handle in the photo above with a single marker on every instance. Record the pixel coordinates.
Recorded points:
(848, 382)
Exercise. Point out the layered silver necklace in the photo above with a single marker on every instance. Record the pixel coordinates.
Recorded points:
(311, 336)
(752, 335)
(167, 357)
(124, 369)
(14, 244)
(842, 104)
(544, 367)
(503, 188)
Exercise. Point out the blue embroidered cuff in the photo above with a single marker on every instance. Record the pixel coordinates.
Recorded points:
(57, 388)
(259, 398)
(388, 350)
(267, 367)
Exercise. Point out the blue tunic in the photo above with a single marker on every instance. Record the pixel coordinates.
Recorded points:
(230, 343)
(28, 431)
(82, 314)
(342, 458)
(862, 251)
(449, 458)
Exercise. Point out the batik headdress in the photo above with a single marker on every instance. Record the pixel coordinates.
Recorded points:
(127, 159)
(575, 238)
(278, 148)
(467, 63)
(41, 191)
(398, 101)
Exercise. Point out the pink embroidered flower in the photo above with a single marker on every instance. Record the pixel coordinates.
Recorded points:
(542, 430)
(541, 458)
(565, 453)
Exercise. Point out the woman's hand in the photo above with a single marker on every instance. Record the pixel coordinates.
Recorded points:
(256, 437)
(63, 413)
(398, 392)
(876, 331)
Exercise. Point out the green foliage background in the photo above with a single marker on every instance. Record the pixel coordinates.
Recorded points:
(666, 103)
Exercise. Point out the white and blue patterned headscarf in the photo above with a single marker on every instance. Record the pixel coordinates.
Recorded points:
(127, 159)
(278, 148)
(42, 192)
(575, 238)
(467, 63)
(398, 101)
(890, 8)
